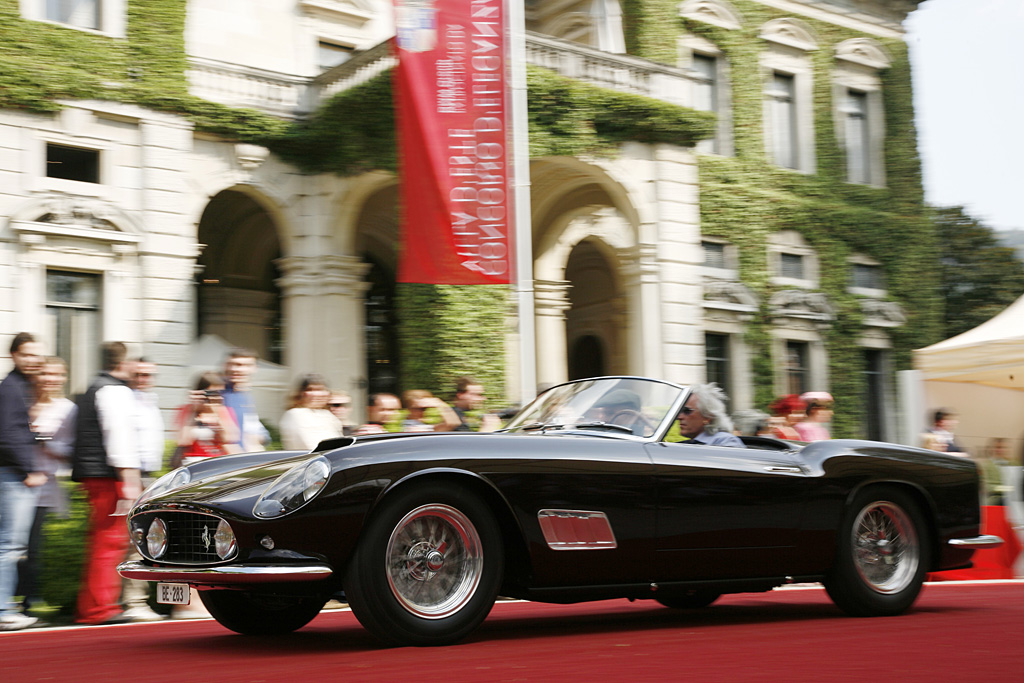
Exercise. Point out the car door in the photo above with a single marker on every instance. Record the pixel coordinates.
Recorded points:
(725, 512)
(586, 507)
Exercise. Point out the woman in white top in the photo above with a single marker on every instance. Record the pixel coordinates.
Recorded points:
(53, 422)
(308, 421)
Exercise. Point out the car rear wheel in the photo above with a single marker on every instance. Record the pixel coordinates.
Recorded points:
(428, 567)
(882, 556)
(694, 599)
(260, 615)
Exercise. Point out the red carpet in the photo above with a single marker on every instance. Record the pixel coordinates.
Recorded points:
(955, 632)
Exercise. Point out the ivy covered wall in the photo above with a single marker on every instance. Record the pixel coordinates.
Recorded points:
(745, 199)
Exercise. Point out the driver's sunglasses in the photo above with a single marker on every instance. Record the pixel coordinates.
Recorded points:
(687, 410)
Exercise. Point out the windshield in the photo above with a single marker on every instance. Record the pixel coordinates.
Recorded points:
(629, 405)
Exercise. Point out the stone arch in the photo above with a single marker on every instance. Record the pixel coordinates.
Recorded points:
(585, 237)
(575, 26)
(237, 296)
(350, 209)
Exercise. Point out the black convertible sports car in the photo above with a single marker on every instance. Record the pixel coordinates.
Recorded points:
(584, 496)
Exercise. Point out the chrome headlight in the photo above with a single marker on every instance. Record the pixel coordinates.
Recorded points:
(224, 540)
(169, 481)
(294, 488)
(156, 539)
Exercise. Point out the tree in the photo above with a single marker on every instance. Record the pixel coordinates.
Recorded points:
(979, 278)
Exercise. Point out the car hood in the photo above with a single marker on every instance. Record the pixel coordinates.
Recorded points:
(231, 478)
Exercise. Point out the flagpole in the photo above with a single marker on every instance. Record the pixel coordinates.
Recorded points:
(523, 224)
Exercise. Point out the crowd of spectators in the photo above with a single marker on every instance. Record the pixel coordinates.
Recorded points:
(111, 440)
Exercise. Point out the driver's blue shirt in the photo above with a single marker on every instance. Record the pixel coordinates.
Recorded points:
(717, 439)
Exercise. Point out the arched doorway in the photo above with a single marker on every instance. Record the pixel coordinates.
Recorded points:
(594, 319)
(585, 254)
(586, 358)
(237, 297)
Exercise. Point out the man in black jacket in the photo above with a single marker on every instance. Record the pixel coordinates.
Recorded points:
(106, 461)
(19, 482)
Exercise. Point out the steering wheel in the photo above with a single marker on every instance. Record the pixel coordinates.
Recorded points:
(638, 418)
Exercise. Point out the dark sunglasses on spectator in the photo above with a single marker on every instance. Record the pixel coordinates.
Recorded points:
(339, 405)
(687, 410)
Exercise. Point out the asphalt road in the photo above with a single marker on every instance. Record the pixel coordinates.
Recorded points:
(956, 632)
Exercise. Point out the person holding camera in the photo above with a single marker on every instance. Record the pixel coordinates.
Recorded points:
(206, 427)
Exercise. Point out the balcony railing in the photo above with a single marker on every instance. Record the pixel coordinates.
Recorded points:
(293, 96)
(242, 86)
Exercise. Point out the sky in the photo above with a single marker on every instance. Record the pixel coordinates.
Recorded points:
(968, 63)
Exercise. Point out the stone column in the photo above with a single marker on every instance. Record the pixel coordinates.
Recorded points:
(342, 323)
(551, 301)
(240, 316)
(323, 297)
(642, 290)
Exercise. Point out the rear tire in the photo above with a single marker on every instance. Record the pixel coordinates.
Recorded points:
(428, 567)
(260, 615)
(883, 554)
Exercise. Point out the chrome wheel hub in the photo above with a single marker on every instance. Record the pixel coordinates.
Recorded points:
(434, 561)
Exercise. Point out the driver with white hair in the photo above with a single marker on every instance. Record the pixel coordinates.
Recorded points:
(704, 420)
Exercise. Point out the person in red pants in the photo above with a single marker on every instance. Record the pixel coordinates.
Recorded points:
(106, 462)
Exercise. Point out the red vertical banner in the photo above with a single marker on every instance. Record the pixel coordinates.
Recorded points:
(451, 101)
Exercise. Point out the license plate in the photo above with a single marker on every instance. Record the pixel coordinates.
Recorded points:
(172, 593)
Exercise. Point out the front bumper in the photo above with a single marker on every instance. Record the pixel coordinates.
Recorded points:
(976, 542)
(227, 575)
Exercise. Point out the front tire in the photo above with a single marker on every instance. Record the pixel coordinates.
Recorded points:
(260, 615)
(883, 554)
(428, 567)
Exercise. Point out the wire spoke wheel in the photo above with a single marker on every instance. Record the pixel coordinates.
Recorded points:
(434, 561)
(882, 555)
(886, 550)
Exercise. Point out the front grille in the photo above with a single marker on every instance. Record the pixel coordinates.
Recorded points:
(189, 536)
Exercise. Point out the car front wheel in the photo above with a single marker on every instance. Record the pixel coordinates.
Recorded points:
(428, 567)
(882, 556)
(260, 615)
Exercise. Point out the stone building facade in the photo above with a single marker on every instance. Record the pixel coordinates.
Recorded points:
(122, 220)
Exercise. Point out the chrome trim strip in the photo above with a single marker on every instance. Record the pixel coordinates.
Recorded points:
(576, 530)
(977, 542)
(227, 575)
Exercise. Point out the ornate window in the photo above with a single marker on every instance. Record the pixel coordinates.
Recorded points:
(858, 110)
(710, 89)
(792, 261)
(788, 83)
(867, 278)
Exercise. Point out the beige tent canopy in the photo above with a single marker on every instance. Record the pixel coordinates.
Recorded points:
(992, 354)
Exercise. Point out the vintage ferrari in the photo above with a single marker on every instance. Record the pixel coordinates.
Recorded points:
(583, 496)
